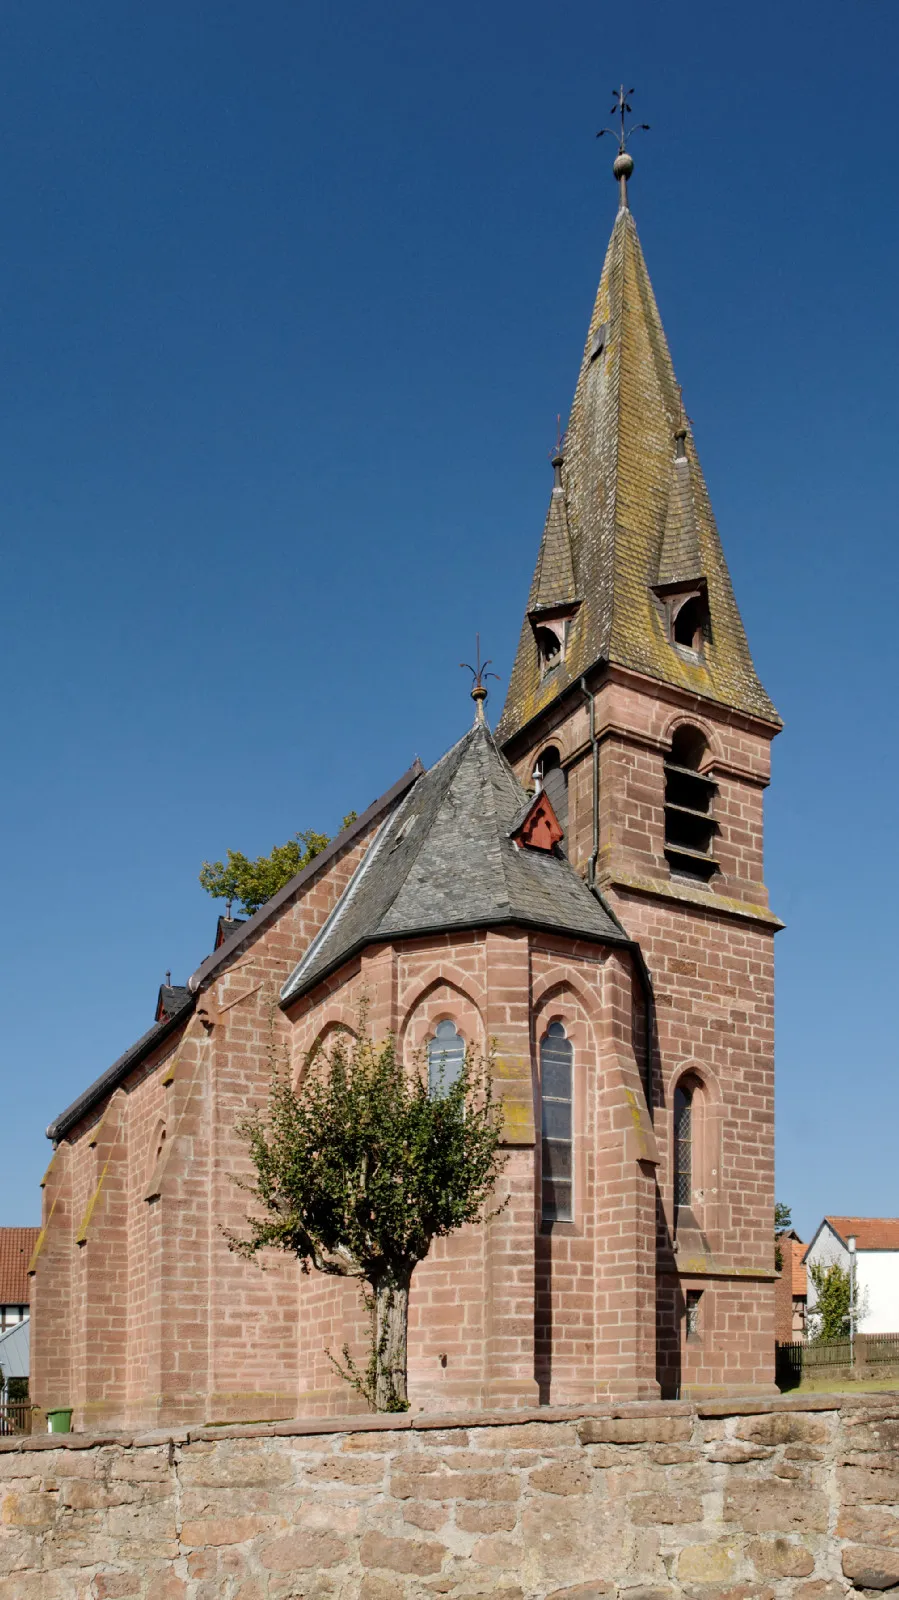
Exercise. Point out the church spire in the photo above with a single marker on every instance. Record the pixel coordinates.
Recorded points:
(639, 530)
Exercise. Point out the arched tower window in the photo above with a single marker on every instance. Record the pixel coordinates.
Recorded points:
(549, 647)
(553, 779)
(556, 1088)
(446, 1054)
(690, 826)
(683, 1146)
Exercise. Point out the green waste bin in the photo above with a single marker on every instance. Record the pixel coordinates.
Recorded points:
(59, 1421)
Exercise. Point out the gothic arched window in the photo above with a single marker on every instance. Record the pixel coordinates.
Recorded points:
(683, 1146)
(446, 1054)
(557, 1093)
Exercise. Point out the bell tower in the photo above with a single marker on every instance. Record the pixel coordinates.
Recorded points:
(634, 698)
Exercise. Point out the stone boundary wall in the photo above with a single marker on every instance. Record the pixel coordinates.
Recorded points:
(723, 1500)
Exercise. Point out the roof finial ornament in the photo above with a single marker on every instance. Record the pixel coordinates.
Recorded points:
(623, 165)
(557, 454)
(479, 688)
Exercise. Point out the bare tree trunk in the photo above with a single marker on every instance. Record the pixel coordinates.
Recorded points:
(391, 1341)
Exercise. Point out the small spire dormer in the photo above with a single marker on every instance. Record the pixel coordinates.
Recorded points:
(554, 600)
(682, 587)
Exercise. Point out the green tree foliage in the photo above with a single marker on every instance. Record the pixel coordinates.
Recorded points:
(783, 1222)
(831, 1310)
(248, 883)
(358, 1169)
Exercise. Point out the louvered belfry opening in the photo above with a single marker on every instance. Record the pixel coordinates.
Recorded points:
(690, 827)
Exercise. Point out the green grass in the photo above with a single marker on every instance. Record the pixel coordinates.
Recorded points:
(843, 1386)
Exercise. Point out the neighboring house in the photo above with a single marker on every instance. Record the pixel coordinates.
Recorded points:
(626, 978)
(877, 1266)
(790, 1291)
(16, 1249)
(15, 1347)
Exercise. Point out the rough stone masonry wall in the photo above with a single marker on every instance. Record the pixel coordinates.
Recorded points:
(647, 1501)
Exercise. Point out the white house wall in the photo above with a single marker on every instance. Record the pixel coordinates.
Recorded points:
(877, 1272)
(878, 1280)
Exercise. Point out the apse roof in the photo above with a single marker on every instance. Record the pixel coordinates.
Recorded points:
(445, 860)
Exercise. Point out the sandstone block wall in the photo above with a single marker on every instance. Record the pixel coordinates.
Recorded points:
(715, 1501)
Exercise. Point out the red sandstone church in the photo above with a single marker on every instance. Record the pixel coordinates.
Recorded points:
(585, 888)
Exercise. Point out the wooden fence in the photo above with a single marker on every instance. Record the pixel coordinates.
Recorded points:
(833, 1357)
(15, 1416)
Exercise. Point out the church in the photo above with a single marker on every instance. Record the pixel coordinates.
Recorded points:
(581, 892)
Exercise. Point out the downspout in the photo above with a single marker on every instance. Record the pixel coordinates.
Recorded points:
(645, 980)
(591, 864)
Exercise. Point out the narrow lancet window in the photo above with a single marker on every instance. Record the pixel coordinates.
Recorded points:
(683, 1146)
(446, 1054)
(558, 1133)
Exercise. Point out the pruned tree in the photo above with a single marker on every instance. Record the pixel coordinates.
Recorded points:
(249, 883)
(359, 1169)
(833, 1298)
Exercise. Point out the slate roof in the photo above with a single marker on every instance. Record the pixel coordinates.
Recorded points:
(226, 928)
(680, 560)
(444, 860)
(554, 578)
(16, 1246)
(172, 999)
(632, 514)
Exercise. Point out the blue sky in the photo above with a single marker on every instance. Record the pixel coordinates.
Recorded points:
(290, 296)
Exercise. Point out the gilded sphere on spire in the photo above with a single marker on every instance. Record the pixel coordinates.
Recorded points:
(623, 165)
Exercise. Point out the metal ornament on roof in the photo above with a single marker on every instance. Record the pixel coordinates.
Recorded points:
(479, 689)
(623, 165)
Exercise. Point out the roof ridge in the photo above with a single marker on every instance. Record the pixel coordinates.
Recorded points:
(457, 750)
(341, 840)
(390, 825)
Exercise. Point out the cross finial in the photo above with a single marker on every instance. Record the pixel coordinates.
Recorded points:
(479, 673)
(557, 454)
(623, 165)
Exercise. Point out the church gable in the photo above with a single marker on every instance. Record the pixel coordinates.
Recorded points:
(539, 828)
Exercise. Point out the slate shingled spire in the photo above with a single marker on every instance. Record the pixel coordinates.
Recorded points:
(633, 512)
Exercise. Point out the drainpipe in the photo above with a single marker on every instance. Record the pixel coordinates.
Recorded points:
(645, 980)
(591, 864)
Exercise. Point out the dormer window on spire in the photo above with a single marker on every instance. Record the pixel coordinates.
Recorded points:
(688, 620)
(549, 644)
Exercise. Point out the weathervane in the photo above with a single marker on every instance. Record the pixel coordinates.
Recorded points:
(623, 164)
(479, 673)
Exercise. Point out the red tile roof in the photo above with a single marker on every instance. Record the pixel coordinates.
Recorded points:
(797, 1250)
(16, 1248)
(871, 1233)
